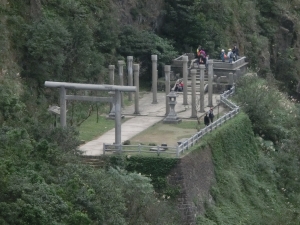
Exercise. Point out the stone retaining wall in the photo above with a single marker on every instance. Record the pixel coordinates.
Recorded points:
(194, 174)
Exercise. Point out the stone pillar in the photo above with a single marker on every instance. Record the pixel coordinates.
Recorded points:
(136, 72)
(202, 68)
(185, 74)
(230, 79)
(167, 88)
(111, 82)
(111, 74)
(194, 107)
(154, 78)
(121, 63)
(234, 77)
(63, 107)
(210, 81)
(118, 118)
(112, 111)
(130, 78)
(238, 74)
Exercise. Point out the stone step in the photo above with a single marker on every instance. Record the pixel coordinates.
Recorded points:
(96, 162)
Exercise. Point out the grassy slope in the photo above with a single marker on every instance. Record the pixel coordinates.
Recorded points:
(245, 191)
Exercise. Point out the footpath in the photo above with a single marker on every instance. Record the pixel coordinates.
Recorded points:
(150, 114)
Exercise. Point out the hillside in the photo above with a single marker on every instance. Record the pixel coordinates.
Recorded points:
(254, 166)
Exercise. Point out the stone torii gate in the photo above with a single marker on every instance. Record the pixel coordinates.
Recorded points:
(93, 87)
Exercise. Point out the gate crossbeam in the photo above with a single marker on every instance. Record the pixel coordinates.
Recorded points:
(93, 87)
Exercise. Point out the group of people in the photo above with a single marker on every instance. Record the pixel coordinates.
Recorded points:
(232, 54)
(178, 86)
(201, 56)
(209, 117)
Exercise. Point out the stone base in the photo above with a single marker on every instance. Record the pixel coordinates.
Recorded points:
(112, 117)
(172, 121)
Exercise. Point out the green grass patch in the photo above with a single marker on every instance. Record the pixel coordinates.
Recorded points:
(90, 129)
(188, 125)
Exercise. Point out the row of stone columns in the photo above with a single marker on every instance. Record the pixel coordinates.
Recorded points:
(167, 70)
(133, 69)
(210, 88)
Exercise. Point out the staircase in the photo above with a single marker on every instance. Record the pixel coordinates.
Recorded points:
(94, 161)
(221, 69)
(189, 81)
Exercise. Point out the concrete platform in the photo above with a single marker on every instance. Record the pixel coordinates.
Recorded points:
(150, 114)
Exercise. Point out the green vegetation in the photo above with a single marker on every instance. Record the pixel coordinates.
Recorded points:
(42, 178)
(256, 172)
(156, 168)
(91, 128)
(248, 189)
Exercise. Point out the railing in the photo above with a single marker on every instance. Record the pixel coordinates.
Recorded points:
(188, 143)
(141, 149)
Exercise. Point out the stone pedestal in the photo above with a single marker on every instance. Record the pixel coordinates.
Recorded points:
(172, 116)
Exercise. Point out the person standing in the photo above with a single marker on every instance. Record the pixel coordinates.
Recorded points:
(235, 52)
(198, 54)
(202, 56)
(230, 55)
(206, 120)
(223, 55)
(211, 115)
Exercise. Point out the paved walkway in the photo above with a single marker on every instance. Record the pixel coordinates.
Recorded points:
(150, 114)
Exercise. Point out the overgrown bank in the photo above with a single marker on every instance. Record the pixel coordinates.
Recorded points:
(230, 179)
(247, 189)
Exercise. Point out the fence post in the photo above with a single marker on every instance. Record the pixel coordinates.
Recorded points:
(157, 150)
(103, 148)
(139, 148)
(177, 151)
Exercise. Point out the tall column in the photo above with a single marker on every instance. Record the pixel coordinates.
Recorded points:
(230, 79)
(185, 74)
(63, 107)
(167, 88)
(130, 80)
(111, 74)
(118, 118)
(111, 82)
(194, 107)
(210, 80)
(236, 75)
(136, 72)
(202, 68)
(154, 78)
(121, 63)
